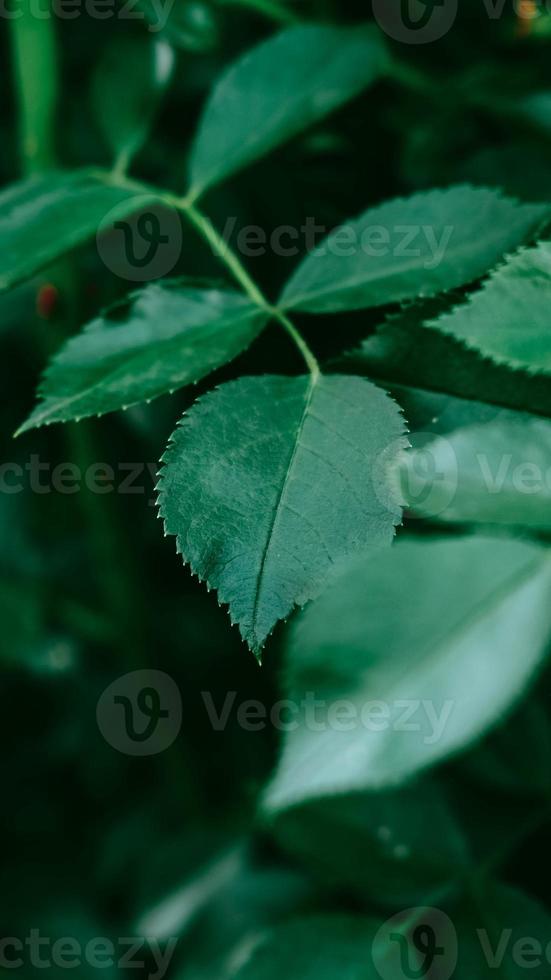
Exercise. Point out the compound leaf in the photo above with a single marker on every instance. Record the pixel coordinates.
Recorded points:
(411, 247)
(269, 481)
(159, 339)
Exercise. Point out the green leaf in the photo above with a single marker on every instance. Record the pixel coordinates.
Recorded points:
(403, 350)
(378, 845)
(316, 948)
(158, 339)
(45, 217)
(502, 932)
(495, 473)
(451, 630)
(144, 68)
(269, 481)
(277, 90)
(508, 319)
(409, 247)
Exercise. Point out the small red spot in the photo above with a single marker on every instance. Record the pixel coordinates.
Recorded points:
(46, 301)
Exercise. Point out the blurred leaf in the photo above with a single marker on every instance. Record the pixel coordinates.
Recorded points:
(255, 898)
(502, 931)
(158, 339)
(411, 247)
(125, 117)
(45, 217)
(317, 948)
(278, 89)
(268, 481)
(427, 645)
(508, 319)
(382, 845)
(495, 473)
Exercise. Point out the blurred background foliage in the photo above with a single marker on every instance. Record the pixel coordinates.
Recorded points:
(97, 843)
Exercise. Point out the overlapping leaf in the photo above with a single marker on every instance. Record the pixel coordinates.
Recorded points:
(411, 247)
(44, 217)
(404, 351)
(452, 629)
(278, 89)
(495, 473)
(269, 481)
(163, 337)
(508, 319)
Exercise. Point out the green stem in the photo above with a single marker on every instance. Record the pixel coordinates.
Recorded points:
(204, 226)
(221, 248)
(34, 66)
(223, 251)
(297, 337)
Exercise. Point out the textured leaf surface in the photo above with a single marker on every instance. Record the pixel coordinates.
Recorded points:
(44, 217)
(164, 336)
(317, 948)
(410, 247)
(497, 473)
(278, 89)
(508, 319)
(269, 481)
(454, 627)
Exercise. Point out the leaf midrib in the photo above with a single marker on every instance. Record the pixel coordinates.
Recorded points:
(313, 381)
(356, 281)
